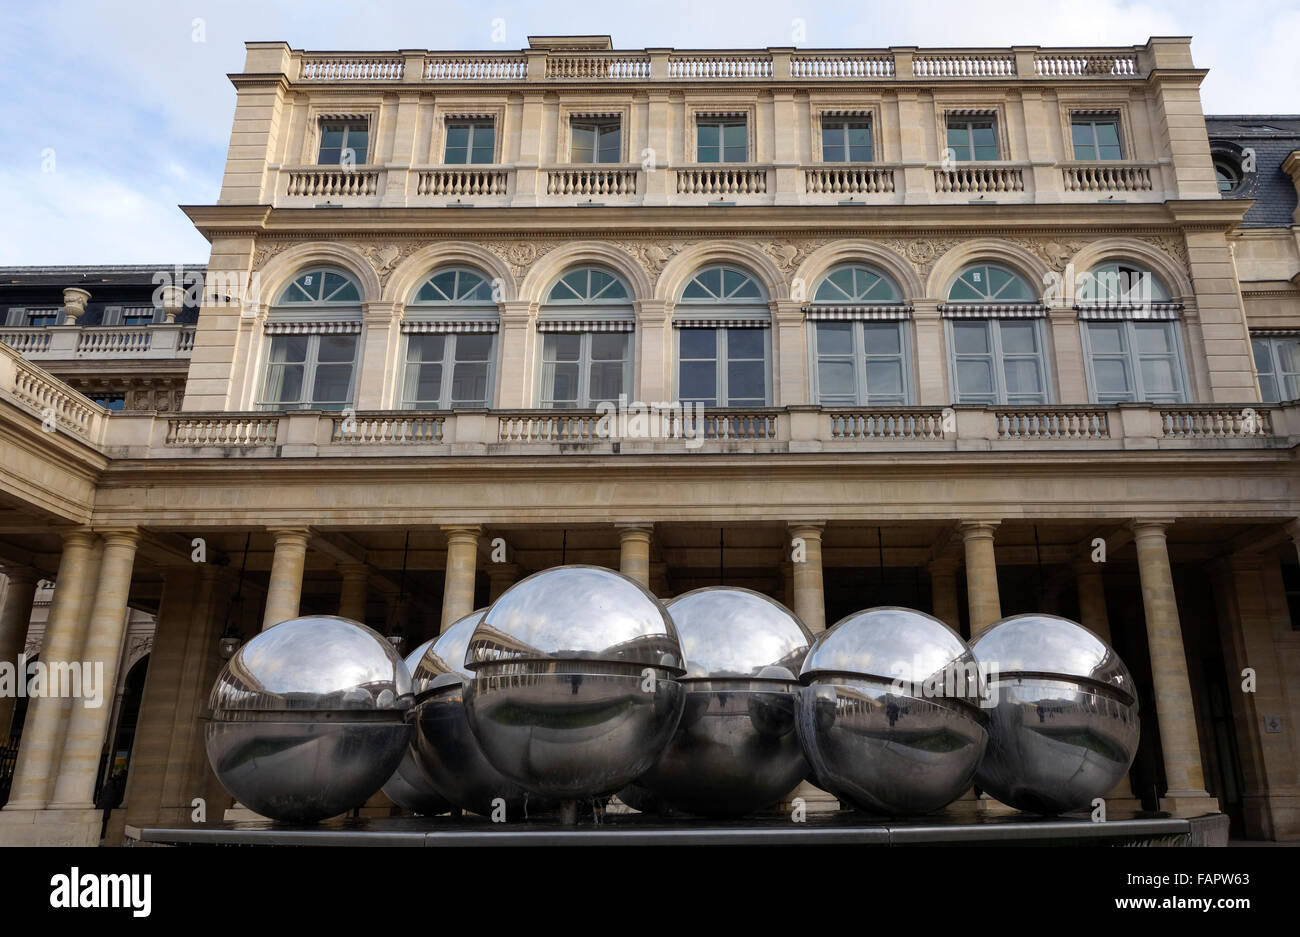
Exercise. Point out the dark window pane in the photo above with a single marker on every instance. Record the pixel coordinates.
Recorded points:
(698, 381)
(473, 347)
(698, 343)
(745, 343)
(835, 338)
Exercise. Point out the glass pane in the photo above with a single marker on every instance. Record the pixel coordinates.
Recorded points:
(456, 155)
(1085, 151)
(1263, 360)
(284, 384)
(606, 380)
(974, 377)
(289, 348)
(833, 153)
(332, 383)
(970, 338)
(611, 148)
(1081, 133)
(1019, 338)
(884, 377)
(1109, 152)
(745, 379)
(1108, 133)
(561, 346)
(1268, 388)
(425, 347)
(1288, 354)
(331, 135)
(469, 384)
(330, 156)
(745, 343)
(457, 135)
(1158, 376)
(986, 152)
(563, 383)
(584, 144)
(698, 343)
(707, 143)
(1022, 376)
(428, 384)
(836, 377)
(835, 338)
(1111, 375)
(698, 381)
(608, 346)
(1106, 339)
(474, 347)
(883, 338)
(337, 348)
(1154, 339)
(358, 140)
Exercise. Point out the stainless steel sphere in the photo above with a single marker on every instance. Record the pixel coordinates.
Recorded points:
(307, 718)
(735, 750)
(446, 747)
(1063, 726)
(410, 787)
(889, 715)
(574, 693)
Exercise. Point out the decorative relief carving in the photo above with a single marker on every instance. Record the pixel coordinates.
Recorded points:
(141, 644)
(266, 251)
(1175, 247)
(32, 647)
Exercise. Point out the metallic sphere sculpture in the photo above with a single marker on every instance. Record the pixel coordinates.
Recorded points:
(411, 787)
(307, 718)
(735, 750)
(574, 693)
(889, 714)
(1064, 727)
(447, 749)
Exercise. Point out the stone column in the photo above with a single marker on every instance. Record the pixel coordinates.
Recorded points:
(943, 591)
(1179, 740)
(74, 786)
(809, 598)
(634, 551)
(352, 594)
(1092, 598)
(462, 559)
(14, 618)
(983, 604)
(501, 576)
(42, 733)
(284, 592)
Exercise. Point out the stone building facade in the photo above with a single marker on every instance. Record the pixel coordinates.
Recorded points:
(978, 330)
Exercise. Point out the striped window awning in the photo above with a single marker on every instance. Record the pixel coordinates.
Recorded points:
(468, 115)
(878, 311)
(1163, 312)
(444, 326)
(733, 322)
(586, 325)
(1094, 112)
(721, 113)
(343, 115)
(846, 112)
(993, 310)
(1275, 333)
(972, 111)
(594, 115)
(313, 328)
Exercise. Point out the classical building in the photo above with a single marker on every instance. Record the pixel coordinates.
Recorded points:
(976, 331)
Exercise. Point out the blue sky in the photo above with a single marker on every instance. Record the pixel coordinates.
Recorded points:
(114, 114)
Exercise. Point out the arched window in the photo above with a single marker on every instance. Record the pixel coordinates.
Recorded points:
(586, 323)
(1130, 336)
(860, 338)
(450, 327)
(313, 328)
(723, 348)
(995, 337)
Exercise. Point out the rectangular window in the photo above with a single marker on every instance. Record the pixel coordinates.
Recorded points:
(110, 401)
(972, 139)
(39, 317)
(1132, 362)
(447, 371)
(137, 315)
(861, 363)
(583, 369)
(312, 372)
(998, 361)
(1096, 137)
(1277, 361)
(343, 142)
(470, 141)
(596, 140)
(721, 140)
(722, 367)
(846, 141)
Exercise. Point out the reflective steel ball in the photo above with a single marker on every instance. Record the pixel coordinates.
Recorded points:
(889, 714)
(1064, 725)
(735, 750)
(447, 749)
(307, 718)
(574, 691)
(411, 787)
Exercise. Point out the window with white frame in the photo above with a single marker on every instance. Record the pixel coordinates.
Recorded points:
(723, 339)
(595, 140)
(973, 137)
(313, 329)
(450, 328)
(586, 324)
(35, 318)
(846, 139)
(995, 337)
(860, 339)
(470, 141)
(1121, 283)
(721, 139)
(1095, 136)
(1277, 361)
(343, 142)
(1134, 361)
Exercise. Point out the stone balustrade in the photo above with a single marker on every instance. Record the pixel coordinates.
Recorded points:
(68, 342)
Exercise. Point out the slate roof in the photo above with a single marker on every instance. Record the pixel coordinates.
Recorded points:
(1272, 137)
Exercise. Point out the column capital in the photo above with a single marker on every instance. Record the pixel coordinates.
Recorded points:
(501, 570)
(808, 530)
(1149, 526)
(289, 533)
(19, 574)
(636, 530)
(79, 536)
(353, 570)
(460, 533)
(978, 528)
(119, 536)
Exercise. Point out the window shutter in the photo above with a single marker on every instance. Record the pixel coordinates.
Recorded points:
(17, 316)
(112, 315)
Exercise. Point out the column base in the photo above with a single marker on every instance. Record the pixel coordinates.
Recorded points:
(71, 826)
(815, 799)
(241, 814)
(1189, 803)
